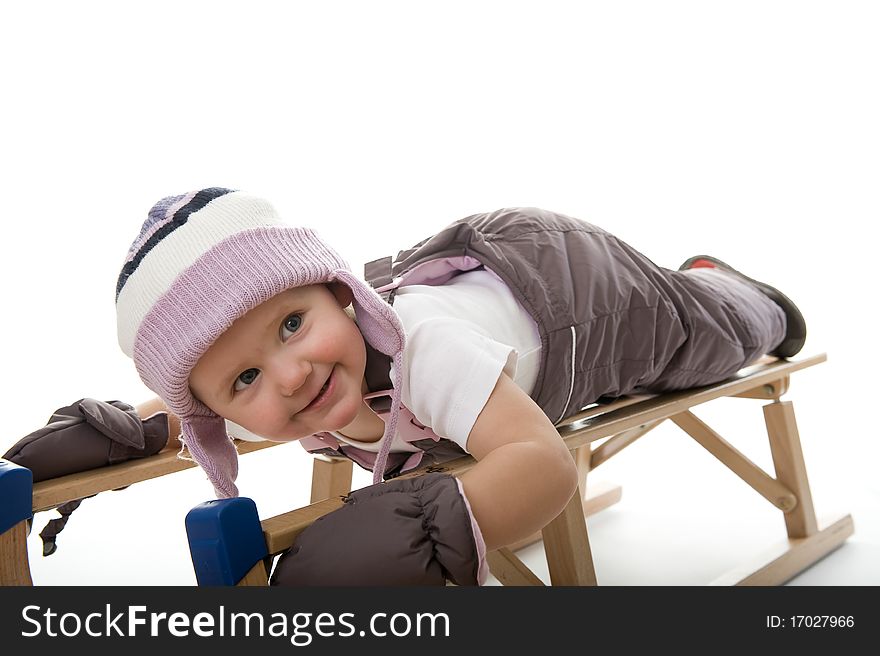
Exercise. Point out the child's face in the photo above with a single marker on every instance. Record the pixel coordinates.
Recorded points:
(265, 371)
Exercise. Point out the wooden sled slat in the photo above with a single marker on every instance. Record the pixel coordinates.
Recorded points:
(53, 492)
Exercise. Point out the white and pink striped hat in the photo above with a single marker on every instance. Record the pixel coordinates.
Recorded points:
(201, 261)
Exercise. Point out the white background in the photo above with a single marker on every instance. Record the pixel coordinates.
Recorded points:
(744, 130)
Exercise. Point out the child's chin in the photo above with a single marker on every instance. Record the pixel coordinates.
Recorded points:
(342, 417)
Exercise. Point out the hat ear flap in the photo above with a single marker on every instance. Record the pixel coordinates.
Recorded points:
(212, 448)
(344, 295)
(376, 319)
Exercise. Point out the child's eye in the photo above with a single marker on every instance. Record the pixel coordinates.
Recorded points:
(245, 378)
(291, 324)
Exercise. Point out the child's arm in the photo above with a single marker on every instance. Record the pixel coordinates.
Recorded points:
(524, 476)
(418, 531)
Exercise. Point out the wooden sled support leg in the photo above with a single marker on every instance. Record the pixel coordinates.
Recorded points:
(567, 546)
(806, 542)
(16, 493)
(331, 477)
(14, 565)
(788, 459)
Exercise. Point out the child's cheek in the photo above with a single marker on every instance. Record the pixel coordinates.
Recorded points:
(262, 420)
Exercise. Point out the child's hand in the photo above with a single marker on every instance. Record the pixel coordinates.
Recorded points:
(415, 531)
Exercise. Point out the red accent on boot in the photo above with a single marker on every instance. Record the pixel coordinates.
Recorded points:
(703, 264)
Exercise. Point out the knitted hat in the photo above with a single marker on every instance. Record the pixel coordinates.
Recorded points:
(201, 261)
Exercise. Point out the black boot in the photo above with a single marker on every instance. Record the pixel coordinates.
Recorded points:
(795, 325)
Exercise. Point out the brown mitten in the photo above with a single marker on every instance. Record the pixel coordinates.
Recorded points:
(89, 434)
(415, 531)
(82, 436)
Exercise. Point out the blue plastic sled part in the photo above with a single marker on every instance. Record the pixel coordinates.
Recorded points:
(16, 494)
(225, 540)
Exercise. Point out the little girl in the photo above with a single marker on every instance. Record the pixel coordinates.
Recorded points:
(484, 336)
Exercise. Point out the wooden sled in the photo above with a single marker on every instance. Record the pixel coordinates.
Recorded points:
(231, 546)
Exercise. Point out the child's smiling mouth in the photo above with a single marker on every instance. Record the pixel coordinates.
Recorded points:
(324, 394)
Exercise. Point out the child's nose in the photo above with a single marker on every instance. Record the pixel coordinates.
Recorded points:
(291, 376)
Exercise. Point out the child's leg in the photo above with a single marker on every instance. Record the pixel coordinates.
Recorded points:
(729, 323)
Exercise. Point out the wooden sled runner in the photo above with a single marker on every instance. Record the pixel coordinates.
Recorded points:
(231, 546)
